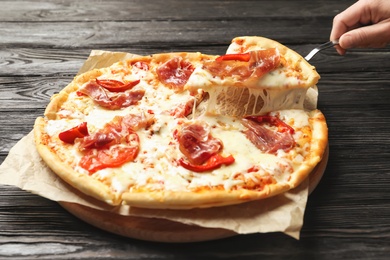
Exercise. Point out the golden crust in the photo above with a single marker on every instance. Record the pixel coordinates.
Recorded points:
(318, 144)
(200, 199)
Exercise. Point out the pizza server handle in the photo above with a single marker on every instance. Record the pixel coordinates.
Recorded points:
(320, 48)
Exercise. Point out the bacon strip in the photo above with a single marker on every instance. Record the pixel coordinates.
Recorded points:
(175, 73)
(197, 144)
(115, 131)
(266, 139)
(112, 101)
(183, 109)
(186, 108)
(264, 61)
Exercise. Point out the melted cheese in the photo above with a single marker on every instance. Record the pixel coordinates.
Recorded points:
(243, 101)
(156, 166)
(275, 91)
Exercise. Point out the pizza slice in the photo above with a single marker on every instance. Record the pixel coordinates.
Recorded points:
(256, 76)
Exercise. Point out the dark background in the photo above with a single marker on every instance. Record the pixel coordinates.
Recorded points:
(44, 43)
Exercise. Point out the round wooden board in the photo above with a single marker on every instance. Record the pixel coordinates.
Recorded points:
(162, 230)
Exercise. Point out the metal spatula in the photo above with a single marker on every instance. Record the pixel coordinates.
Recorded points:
(321, 47)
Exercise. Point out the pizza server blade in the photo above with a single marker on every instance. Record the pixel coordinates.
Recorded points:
(320, 48)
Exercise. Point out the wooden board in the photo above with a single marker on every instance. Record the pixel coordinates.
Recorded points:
(162, 230)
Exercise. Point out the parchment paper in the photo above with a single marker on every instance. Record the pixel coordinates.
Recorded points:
(24, 168)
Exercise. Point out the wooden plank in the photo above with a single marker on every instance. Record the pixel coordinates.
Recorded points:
(167, 34)
(87, 242)
(30, 92)
(59, 225)
(64, 63)
(140, 10)
(43, 43)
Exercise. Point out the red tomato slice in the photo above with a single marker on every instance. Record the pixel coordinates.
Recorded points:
(212, 163)
(238, 57)
(107, 158)
(70, 135)
(113, 156)
(116, 156)
(115, 85)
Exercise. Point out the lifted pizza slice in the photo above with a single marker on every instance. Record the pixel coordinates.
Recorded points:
(256, 76)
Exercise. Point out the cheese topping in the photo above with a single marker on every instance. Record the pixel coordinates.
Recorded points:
(156, 165)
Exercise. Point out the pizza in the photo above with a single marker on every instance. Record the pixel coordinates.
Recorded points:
(187, 130)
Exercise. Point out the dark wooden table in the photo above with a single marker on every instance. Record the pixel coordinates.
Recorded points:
(44, 43)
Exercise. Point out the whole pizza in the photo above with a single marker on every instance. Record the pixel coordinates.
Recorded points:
(187, 130)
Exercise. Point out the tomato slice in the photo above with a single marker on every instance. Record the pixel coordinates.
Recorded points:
(112, 156)
(115, 156)
(70, 135)
(116, 85)
(212, 163)
(238, 57)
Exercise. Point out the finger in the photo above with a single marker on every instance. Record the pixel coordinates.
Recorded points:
(338, 29)
(373, 36)
(343, 22)
(340, 50)
(351, 18)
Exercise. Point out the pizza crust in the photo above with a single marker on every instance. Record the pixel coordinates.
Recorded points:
(202, 197)
(318, 146)
(198, 199)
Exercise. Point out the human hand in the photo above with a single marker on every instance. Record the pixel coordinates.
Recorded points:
(365, 24)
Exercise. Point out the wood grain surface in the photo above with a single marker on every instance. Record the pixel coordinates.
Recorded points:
(44, 43)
